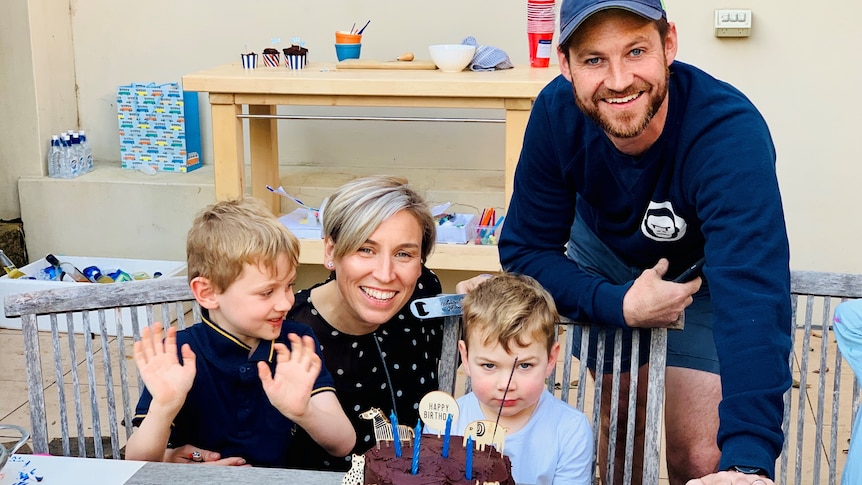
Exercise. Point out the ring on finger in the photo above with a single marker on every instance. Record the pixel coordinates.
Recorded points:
(197, 457)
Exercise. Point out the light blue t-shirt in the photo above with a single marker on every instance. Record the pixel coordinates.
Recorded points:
(554, 447)
(848, 333)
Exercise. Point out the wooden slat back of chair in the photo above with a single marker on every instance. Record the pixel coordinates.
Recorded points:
(587, 398)
(76, 314)
(818, 422)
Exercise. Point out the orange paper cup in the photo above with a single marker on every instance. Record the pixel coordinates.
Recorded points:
(342, 37)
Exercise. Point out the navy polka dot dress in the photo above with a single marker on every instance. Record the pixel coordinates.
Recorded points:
(407, 348)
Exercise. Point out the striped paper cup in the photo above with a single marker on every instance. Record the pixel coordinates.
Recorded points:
(272, 60)
(249, 61)
(295, 61)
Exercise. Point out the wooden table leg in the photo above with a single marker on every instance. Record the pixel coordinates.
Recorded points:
(517, 115)
(228, 150)
(263, 138)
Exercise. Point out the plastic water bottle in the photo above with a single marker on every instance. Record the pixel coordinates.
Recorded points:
(55, 157)
(50, 273)
(70, 159)
(87, 152)
(78, 153)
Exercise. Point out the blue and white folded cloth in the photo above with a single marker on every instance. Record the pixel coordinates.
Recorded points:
(487, 58)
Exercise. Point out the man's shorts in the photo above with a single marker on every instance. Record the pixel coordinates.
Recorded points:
(690, 348)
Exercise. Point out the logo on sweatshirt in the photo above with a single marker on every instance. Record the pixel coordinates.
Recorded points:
(661, 223)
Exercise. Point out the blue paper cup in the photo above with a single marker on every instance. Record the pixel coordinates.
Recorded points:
(347, 51)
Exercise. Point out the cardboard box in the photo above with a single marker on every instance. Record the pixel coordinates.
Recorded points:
(457, 229)
(9, 286)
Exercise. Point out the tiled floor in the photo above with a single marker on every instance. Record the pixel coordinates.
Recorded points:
(14, 409)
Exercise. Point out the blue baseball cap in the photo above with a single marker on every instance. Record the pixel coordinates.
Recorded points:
(574, 12)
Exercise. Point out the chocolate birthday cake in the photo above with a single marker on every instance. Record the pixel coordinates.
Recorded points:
(381, 467)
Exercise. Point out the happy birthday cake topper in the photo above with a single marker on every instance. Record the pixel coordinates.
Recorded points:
(434, 409)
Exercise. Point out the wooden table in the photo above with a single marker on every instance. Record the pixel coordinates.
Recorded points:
(262, 90)
(64, 470)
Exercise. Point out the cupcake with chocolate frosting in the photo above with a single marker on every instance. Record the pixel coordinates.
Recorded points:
(271, 57)
(295, 56)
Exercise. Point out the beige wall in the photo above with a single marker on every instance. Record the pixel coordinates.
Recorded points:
(799, 67)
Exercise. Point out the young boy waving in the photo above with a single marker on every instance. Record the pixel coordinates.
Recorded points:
(232, 388)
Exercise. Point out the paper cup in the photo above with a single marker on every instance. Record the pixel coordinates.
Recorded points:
(540, 48)
(249, 61)
(342, 37)
(272, 60)
(295, 61)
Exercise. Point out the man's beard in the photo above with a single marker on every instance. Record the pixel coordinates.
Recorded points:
(627, 126)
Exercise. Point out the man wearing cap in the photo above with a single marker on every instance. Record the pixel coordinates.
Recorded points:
(635, 166)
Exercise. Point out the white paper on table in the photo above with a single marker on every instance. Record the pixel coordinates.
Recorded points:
(63, 470)
(303, 224)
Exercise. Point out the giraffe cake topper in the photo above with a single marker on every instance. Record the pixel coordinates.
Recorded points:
(429, 458)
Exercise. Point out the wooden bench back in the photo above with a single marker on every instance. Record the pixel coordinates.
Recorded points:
(585, 392)
(77, 316)
(819, 408)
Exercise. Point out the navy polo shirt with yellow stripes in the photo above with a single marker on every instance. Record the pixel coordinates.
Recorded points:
(226, 409)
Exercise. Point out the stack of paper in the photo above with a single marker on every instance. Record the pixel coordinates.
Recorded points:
(303, 224)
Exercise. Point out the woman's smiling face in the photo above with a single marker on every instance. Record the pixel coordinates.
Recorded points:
(378, 279)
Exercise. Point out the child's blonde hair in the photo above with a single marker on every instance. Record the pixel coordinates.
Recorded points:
(229, 234)
(510, 308)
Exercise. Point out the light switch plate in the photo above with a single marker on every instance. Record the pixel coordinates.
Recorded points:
(732, 22)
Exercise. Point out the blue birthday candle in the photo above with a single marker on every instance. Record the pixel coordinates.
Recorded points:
(396, 440)
(446, 436)
(468, 465)
(414, 466)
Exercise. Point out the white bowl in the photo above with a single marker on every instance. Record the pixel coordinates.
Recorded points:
(452, 57)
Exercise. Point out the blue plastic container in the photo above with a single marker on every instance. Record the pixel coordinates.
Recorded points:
(347, 51)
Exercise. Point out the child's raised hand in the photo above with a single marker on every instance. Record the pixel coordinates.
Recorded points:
(295, 372)
(166, 379)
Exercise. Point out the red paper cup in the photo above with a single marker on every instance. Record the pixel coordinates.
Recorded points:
(540, 48)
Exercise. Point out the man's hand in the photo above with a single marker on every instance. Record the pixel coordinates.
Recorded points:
(466, 286)
(731, 478)
(295, 372)
(166, 379)
(189, 454)
(653, 302)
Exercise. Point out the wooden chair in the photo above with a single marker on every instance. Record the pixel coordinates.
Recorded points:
(587, 396)
(88, 309)
(827, 407)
